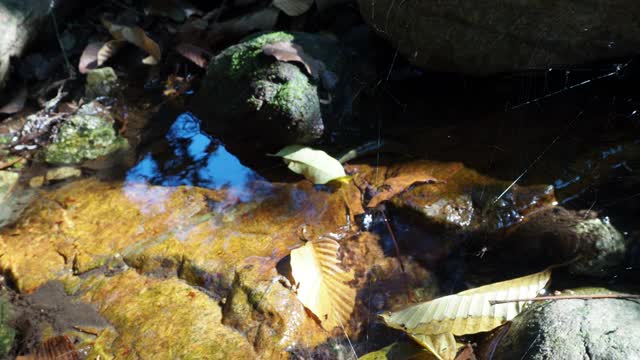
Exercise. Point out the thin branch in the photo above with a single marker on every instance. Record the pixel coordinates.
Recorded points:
(569, 297)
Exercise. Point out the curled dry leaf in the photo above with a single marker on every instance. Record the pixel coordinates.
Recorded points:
(89, 57)
(16, 103)
(315, 165)
(293, 7)
(322, 285)
(197, 55)
(136, 36)
(395, 185)
(108, 50)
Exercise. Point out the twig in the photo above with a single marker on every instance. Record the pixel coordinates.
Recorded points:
(70, 71)
(569, 297)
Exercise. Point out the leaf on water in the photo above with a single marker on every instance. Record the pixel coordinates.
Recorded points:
(293, 7)
(322, 285)
(395, 185)
(16, 103)
(315, 165)
(136, 36)
(443, 346)
(89, 57)
(469, 312)
(108, 50)
(195, 54)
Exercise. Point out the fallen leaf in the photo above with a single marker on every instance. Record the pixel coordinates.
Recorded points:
(177, 10)
(469, 312)
(16, 103)
(109, 49)
(263, 19)
(322, 285)
(136, 36)
(395, 185)
(293, 7)
(315, 165)
(89, 57)
(289, 52)
(443, 346)
(406, 350)
(54, 348)
(197, 55)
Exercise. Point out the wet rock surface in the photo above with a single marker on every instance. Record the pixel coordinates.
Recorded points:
(277, 102)
(499, 36)
(574, 329)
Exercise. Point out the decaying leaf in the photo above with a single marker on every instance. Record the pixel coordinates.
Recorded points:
(197, 55)
(109, 49)
(293, 7)
(322, 285)
(89, 57)
(315, 165)
(16, 103)
(54, 348)
(289, 52)
(469, 312)
(395, 185)
(136, 36)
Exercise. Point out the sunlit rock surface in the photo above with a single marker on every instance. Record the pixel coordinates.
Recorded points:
(501, 36)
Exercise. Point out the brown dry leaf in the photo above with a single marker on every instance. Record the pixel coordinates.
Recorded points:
(136, 36)
(54, 348)
(293, 7)
(16, 103)
(289, 52)
(107, 50)
(322, 285)
(395, 185)
(197, 55)
(89, 57)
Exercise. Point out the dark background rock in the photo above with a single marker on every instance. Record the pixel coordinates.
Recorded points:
(574, 329)
(499, 35)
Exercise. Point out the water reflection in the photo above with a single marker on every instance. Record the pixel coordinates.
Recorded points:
(197, 159)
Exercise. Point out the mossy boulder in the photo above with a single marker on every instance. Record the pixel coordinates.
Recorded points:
(86, 135)
(248, 94)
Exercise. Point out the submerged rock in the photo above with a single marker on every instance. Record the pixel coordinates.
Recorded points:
(86, 135)
(574, 329)
(499, 36)
(249, 94)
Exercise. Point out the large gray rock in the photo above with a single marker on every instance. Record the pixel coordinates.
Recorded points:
(248, 94)
(574, 329)
(491, 36)
(20, 21)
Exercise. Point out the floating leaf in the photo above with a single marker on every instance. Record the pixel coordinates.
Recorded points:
(136, 36)
(315, 165)
(322, 284)
(395, 185)
(293, 7)
(16, 103)
(469, 312)
(109, 49)
(197, 55)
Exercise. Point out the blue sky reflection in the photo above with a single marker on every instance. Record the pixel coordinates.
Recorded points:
(198, 160)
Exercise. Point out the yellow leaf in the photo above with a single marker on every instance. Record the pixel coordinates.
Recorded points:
(469, 312)
(443, 346)
(322, 284)
(315, 165)
(136, 36)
